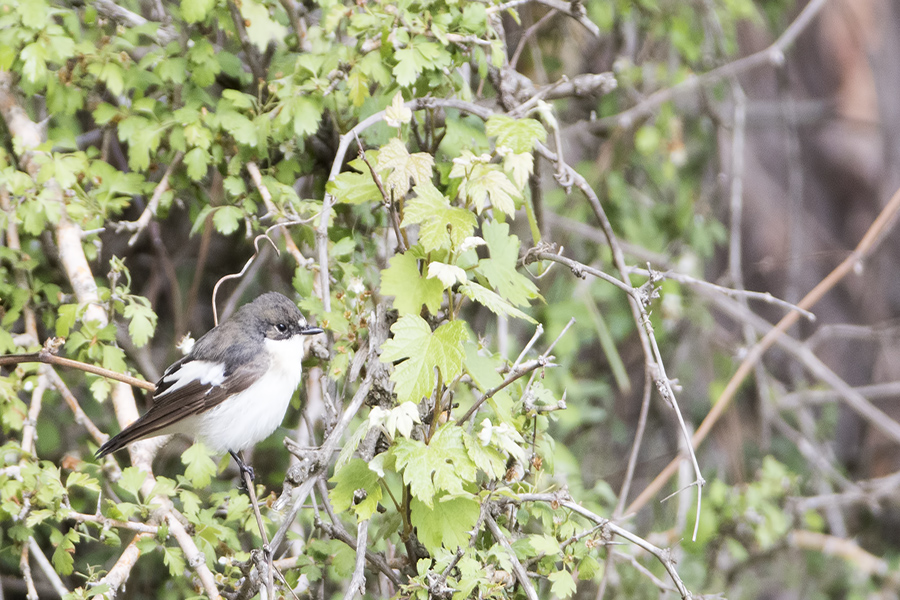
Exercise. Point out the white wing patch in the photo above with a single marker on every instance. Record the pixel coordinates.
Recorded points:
(203, 371)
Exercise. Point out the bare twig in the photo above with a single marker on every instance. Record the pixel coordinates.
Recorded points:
(519, 571)
(150, 210)
(523, 370)
(47, 568)
(663, 555)
(358, 580)
(267, 550)
(47, 357)
(112, 10)
(869, 242)
(773, 55)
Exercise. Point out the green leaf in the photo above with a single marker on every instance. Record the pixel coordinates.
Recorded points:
(519, 135)
(227, 218)
(500, 268)
(447, 524)
(197, 162)
(194, 11)
(486, 458)
(356, 475)
(563, 584)
(440, 225)
(519, 167)
(173, 558)
(404, 166)
(63, 557)
(200, 467)
(132, 479)
(307, 114)
(482, 182)
(403, 280)
(240, 127)
(353, 188)
(492, 301)
(441, 465)
(423, 351)
(142, 322)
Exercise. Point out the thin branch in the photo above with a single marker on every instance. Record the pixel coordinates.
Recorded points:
(47, 357)
(47, 568)
(111, 10)
(528, 34)
(266, 549)
(882, 224)
(574, 10)
(663, 555)
(736, 293)
(106, 523)
(250, 50)
(523, 370)
(518, 570)
(358, 580)
(150, 210)
(773, 55)
(25, 567)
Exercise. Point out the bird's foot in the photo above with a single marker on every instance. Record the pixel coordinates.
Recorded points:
(244, 469)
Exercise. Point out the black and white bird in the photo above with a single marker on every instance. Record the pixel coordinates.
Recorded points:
(233, 388)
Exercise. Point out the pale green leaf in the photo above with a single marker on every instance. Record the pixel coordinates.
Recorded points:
(403, 167)
(500, 268)
(562, 584)
(200, 467)
(403, 280)
(491, 300)
(354, 188)
(423, 350)
(356, 475)
(440, 224)
(194, 11)
(448, 523)
(519, 135)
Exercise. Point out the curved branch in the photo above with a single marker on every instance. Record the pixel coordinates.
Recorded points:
(773, 55)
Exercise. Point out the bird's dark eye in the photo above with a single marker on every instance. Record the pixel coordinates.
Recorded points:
(281, 327)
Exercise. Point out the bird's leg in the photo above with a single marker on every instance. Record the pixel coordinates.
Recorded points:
(243, 467)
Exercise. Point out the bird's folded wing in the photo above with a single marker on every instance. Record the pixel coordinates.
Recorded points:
(188, 387)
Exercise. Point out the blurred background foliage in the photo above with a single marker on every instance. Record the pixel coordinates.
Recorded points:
(171, 134)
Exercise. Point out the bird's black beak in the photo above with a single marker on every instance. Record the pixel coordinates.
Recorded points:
(308, 330)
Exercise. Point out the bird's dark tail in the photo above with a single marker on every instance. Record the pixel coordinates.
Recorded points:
(117, 442)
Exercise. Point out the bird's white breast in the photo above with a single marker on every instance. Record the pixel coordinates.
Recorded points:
(252, 415)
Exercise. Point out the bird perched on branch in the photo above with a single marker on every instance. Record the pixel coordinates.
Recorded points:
(233, 388)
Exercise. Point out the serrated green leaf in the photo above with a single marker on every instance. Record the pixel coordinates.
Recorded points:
(423, 350)
(200, 467)
(403, 167)
(492, 301)
(519, 135)
(440, 224)
(197, 162)
(403, 280)
(519, 167)
(448, 523)
(227, 218)
(132, 479)
(173, 557)
(142, 322)
(441, 465)
(356, 475)
(354, 188)
(563, 584)
(194, 11)
(482, 182)
(486, 458)
(500, 268)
